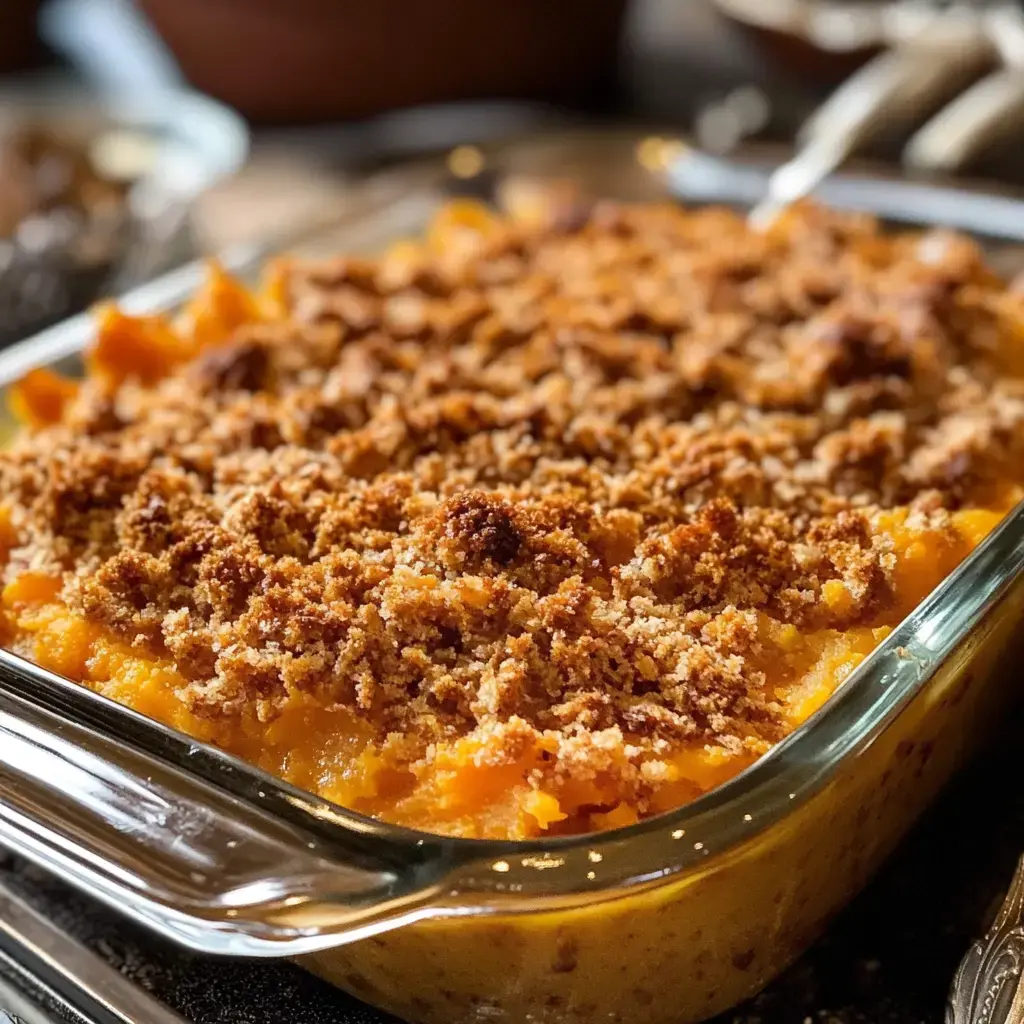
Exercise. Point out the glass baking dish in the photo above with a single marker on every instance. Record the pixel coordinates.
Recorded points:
(670, 920)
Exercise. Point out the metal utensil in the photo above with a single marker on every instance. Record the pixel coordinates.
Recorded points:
(696, 176)
(985, 114)
(987, 988)
(886, 94)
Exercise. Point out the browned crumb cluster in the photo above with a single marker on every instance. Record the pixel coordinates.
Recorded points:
(535, 479)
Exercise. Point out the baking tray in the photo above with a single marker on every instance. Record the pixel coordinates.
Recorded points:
(672, 919)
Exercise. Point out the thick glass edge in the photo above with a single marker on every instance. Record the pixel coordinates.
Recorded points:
(671, 844)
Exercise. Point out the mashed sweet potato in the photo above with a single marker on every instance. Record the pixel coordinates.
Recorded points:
(527, 527)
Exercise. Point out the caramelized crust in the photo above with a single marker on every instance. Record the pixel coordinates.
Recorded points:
(582, 496)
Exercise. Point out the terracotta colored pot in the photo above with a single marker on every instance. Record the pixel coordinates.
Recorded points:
(294, 60)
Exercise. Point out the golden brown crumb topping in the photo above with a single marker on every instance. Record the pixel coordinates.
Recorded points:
(535, 481)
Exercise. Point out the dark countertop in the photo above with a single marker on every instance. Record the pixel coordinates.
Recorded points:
(888, 959)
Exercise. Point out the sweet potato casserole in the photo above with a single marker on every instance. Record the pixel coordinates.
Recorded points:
(527, 527)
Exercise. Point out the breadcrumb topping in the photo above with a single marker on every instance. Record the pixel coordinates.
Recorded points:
(548, 487)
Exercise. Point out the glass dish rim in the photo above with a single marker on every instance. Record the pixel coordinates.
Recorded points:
(675, 841)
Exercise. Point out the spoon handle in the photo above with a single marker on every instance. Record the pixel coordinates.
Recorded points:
(890, 91)
(987, 988)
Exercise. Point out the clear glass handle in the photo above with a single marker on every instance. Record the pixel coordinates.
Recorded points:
(207, 856)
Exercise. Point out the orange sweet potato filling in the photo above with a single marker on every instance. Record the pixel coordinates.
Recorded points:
(460, 613)
(329, 753)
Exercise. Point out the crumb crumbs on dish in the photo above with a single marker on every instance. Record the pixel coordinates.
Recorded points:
(523, 528)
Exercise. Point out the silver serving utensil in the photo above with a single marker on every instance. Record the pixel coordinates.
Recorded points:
(987, 988)
(888, 93)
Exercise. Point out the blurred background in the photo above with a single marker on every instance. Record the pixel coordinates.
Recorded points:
(134, 133)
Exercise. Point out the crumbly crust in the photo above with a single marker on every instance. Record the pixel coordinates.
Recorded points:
(538, 481)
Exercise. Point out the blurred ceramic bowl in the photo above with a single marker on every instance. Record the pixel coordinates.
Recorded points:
(305, 60)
